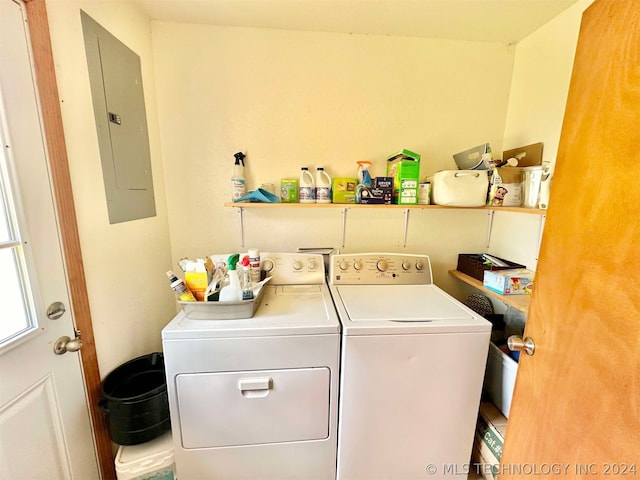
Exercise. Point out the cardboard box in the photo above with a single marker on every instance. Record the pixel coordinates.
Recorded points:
(505, 188)
(424, 193)
(344, 190)
(518, 281)
(480, 466)
(489, 439)
(289, 190)
(404, 167)
(381, 193)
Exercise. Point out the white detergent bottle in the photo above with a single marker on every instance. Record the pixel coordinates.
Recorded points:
(233, 291)
(306, 187)
(323, 186)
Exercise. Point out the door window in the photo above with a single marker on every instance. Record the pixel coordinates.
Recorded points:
(17, 304)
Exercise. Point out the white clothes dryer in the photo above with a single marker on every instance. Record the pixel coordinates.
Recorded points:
(256, 398)
(412, 367)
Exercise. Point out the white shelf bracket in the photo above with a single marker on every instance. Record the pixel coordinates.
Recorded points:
(489, 227)
(406, 227)
(344, 226)
(241, 217)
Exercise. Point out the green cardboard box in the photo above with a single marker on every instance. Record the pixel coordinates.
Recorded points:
(404, 167)
(343, 190)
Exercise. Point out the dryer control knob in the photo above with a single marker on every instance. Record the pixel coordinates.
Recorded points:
(357, 265)
(312, 265)
(419, 265)
(343, 265)
(382, 265)
(406, 265)
(297, 265)
(267, 265)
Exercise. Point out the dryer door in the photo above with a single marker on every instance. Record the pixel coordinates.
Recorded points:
(253, 407)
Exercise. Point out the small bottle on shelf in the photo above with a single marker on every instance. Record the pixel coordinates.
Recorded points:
(182, 291)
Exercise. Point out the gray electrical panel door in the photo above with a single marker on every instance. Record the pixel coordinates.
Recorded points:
(121, 122)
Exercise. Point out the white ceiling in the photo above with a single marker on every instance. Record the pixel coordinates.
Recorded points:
(504, 21)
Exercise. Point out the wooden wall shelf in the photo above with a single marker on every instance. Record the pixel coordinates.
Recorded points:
(519, 302)
(534, 211)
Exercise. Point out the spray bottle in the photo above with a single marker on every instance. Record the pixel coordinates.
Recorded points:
(364, 178)
(247, 290)
(238, 188)
(233, 291)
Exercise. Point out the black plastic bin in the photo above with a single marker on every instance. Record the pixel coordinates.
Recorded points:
(134, 400)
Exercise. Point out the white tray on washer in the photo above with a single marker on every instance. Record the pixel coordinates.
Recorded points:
(222, 310)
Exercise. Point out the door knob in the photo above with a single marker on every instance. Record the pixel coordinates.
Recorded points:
(517, 344)
(66, 344)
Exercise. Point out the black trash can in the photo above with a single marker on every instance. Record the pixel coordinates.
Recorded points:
(134, 400)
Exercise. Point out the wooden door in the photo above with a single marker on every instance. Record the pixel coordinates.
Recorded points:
(577, 399)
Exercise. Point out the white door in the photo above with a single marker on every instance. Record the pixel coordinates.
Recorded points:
(45, 431)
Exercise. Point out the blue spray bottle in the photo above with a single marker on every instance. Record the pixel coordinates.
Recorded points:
(364, 178)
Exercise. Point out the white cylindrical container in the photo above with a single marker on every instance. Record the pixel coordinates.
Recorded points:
(531, 179)
(306, 187)
(323, 186)
(254, 264)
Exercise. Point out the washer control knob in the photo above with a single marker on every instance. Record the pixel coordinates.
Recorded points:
(406, 265)
(419, 265)
(343, 265)
(267, 265)
(297, 265)
(357, 265)
(312, 264)
(382, 265)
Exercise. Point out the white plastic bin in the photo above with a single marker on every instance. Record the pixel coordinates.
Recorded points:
(500, 378)
(151, 460)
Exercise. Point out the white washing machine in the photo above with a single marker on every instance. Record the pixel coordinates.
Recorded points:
(257, 398)
(412, 366)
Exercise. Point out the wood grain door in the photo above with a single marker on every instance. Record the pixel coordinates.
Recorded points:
(577, 399)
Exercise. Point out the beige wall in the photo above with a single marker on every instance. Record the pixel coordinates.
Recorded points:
(124, 263)
(539, 88)
(290, 98)
(541, 76)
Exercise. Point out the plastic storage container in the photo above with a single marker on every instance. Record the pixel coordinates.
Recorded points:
(134, 400)
(500, 378)
(148, 461)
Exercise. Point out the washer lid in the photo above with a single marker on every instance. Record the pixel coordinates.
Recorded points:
(365, 309)
(403, 303)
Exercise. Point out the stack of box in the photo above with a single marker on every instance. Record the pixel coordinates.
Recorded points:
(489, 441)
(404, 167)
